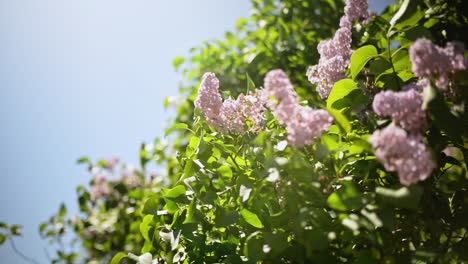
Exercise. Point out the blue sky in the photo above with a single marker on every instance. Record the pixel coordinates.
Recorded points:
(89, 78)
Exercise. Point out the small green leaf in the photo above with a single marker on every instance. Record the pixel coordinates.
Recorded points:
(83, 160)
(360, 57)
(3, 225)
(348, 197)
(62, 211)
(2, 239)
(177, 126)
(15, 230)
(174, 192)
(145, 226)
(250, 84)
(251, 218)
(117, 258)
(42, 227)
(177, 61)
(241, 22)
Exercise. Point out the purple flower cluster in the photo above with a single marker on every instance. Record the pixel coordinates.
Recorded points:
(403, 153)
(431, 61)
(335, 53)
(229, 116)
(334, 58)
(403, 107)
(100, 188)
(303, 124)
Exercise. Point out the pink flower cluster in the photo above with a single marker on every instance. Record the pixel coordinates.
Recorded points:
(431, 61)
(230, 115)
(303, 124)
(99, 188)
(403, 153)
(403, 107)
(335, 53)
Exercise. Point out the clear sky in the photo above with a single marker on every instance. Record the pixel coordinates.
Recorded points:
(86, 77)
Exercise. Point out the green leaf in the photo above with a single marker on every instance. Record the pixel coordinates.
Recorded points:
(340, 89)
(3, 225)
(118, 257)
(83, 160)
(405, 197)
(15, 230)
(145, 226)
(225, 171)
(151, 206)
(174, 192)
(360, 57)
(346, 198)
(251, 218)
(250, 84)
(2, 239)
(177, 126)
(241, 22)
(192, 147)
(191, 216)
(340, 119)
(62, 211)
(177, 61)
(226, 218)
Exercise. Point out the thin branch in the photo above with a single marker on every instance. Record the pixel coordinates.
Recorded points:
(19, 253)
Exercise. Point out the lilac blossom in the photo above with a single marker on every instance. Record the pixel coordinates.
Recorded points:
(99, 188)
(229, 116)
(431, 61)
(335, 53)
(334, 59)
(303, 124)
(209, 100)
(355, 10)
(403, 107)
(403, 153)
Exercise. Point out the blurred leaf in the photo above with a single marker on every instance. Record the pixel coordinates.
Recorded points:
(346, 198)
(15, 230)
(177, 126)
(83, 160)
(117, 258)
(404, 197)
(174, 192)
(145, 226)
(177, 62)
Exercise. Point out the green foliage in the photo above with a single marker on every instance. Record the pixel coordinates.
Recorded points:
(252, 198)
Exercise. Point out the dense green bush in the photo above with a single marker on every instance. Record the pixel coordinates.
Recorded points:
(386, 182)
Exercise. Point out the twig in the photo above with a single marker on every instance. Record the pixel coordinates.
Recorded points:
(19, 253)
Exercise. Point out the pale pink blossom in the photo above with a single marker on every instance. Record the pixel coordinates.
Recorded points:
(303, 124)
(430, 61)
(404, 107)
(99, 188)
(403, 153)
